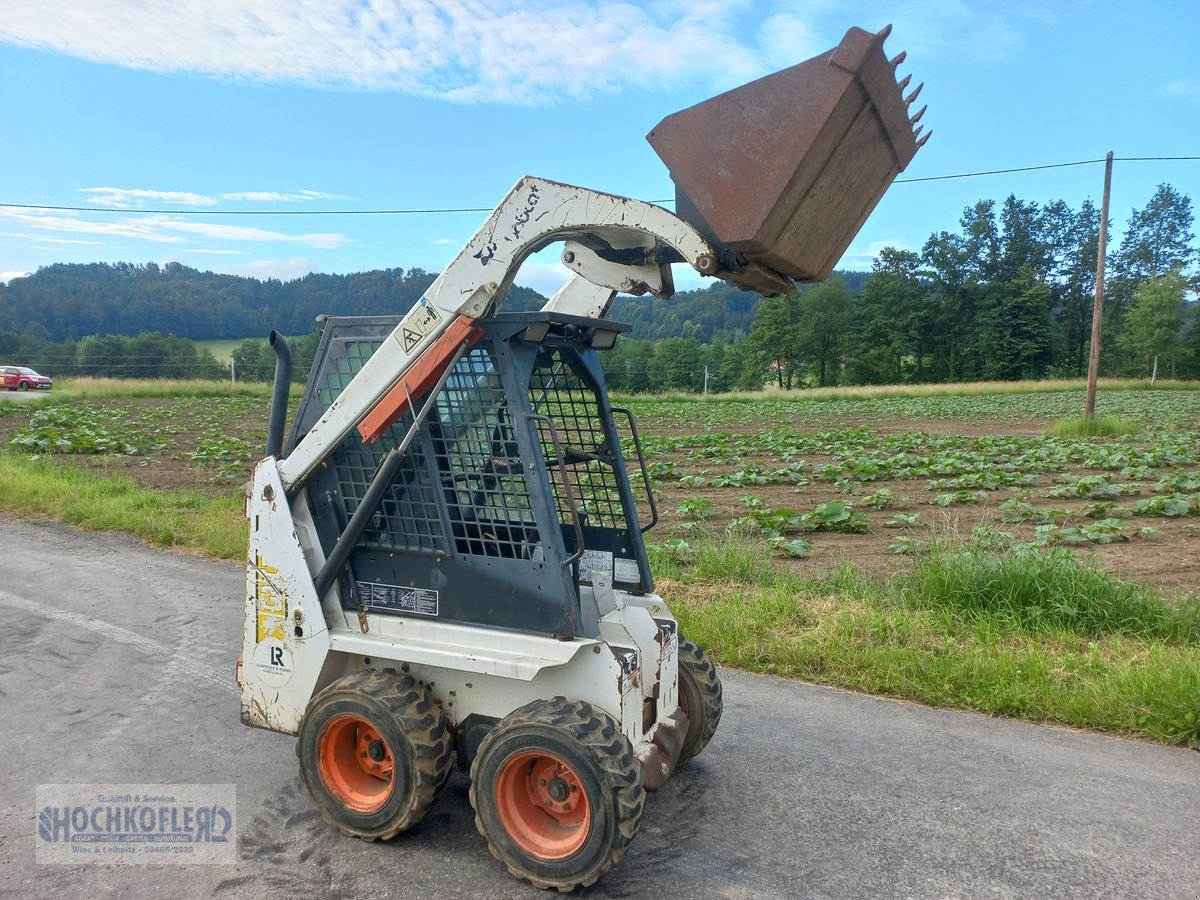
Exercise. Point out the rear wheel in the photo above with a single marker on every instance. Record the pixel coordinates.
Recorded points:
(700, 696)
(374, 753)
(557, 793)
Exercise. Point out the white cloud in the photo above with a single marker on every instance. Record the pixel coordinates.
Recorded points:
(447, 241)
(518, 51)
(862, 259)
(1186, 89)
(284, 197)
(226, 232)
(463, 50)
(137, 198)
(127, 197)
(543, 277)
(218, 252)
(164, 229)
(6, 277)
(48, 240)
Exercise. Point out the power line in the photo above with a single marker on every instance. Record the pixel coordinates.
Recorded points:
(488, 209)
(1066, 165)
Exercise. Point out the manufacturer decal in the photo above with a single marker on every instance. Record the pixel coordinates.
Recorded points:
(270, 601)
(273, 662)
(421, 320)
(397, 598)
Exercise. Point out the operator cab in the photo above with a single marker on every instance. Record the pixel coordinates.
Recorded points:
(467, 531)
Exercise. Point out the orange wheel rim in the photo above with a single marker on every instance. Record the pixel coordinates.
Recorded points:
(543, 805)
(356, 763)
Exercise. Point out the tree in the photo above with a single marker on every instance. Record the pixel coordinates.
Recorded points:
(1159, 240)
(774, 338)
(1155, 321)
(890, 331)
(823, 317)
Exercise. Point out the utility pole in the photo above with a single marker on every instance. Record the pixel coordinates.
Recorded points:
(706, 380)
(1098, 306)
(232, 371)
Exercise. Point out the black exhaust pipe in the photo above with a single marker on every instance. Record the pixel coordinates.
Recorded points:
(279, 396)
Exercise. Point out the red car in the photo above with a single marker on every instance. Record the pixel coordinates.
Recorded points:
(19, 378)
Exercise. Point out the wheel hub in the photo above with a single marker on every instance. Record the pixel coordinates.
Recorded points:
(542, 804)
(356, 764)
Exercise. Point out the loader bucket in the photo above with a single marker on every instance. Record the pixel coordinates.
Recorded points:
(782, 172)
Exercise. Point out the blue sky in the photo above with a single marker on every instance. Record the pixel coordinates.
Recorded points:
(368, 104)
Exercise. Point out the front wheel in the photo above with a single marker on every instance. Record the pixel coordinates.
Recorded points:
(24, 385)
(557, 793)
(374, 752)
(700, 696)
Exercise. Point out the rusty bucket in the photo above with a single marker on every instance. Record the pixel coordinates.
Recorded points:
(781, 173)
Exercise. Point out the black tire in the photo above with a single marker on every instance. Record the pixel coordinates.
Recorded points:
(700, 695)
(24, 385)
(351, 718)
(599, 791)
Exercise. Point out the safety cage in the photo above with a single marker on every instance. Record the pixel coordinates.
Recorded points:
(512, 493)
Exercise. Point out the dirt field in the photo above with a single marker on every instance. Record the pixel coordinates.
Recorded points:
(787, 458)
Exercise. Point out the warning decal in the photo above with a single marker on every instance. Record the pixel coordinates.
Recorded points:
(592, 561)
(421, 320)
(397, 598)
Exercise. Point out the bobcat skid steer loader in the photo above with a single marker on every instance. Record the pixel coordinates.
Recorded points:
(446, 560)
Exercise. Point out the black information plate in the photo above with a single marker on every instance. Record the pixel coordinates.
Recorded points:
(395, 598)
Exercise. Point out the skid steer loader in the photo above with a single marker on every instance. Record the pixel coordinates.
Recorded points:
(446, 559)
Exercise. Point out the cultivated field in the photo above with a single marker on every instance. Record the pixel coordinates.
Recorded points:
(870, 480)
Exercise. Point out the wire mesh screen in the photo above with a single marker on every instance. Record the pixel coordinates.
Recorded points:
(407, 517)
(557, 392)
(487, 496)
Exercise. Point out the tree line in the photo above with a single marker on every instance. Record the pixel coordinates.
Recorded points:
(1008, 295)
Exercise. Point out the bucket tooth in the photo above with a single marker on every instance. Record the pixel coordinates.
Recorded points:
(925, 140)
(780, 174)
(883, 32)
(914, 95)
(921, 112)
(899, 58)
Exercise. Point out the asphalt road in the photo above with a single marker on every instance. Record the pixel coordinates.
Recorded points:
(116, 665)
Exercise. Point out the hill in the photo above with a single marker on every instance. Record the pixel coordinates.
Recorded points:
(72, 301)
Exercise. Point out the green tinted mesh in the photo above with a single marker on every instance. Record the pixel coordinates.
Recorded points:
(407, 517)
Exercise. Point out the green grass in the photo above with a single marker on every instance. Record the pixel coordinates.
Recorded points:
(953, 389)
(222, 348)
(1043, 638)
(47, 489)
(156, 387)
(1097, 426)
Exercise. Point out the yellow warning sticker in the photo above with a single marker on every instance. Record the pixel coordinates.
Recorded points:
(270, 601)
(421, 320)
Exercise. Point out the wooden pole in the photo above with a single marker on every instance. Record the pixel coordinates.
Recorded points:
(1098, 306)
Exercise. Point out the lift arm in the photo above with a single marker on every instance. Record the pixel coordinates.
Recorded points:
(614, 243)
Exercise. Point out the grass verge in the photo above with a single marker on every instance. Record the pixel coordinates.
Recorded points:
(46, 489)
(1032, 637)
(157, 387)
(1082, 427)
(1040, 637)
